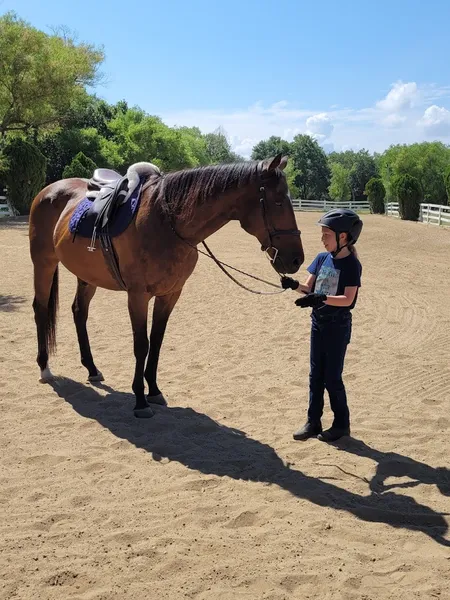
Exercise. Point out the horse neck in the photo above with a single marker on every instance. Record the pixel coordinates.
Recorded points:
(212, 215)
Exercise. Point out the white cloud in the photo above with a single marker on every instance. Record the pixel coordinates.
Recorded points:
(320, 127)
(319, 124)
(401, 96)
(436, 121)
(407, 114)
(393, 120)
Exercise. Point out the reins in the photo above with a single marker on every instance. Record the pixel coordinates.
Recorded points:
(222, 265)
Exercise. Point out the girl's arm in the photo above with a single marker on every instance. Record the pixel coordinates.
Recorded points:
(305, 288)
(345, 300)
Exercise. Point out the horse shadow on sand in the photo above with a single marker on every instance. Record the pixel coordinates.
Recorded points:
(202, 444)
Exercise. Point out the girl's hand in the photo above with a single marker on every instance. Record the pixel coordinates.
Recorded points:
(287, 283)
(312, 300)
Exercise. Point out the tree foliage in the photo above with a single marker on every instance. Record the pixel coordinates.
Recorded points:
(361, 167)
(270, 147)
(24, 174)
(40, 75)
(81, 166)
(375, 193)
(312, 177)
(409, 193)
(339, 187)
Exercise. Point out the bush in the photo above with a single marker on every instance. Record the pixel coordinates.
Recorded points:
(81, 166)
(447, 183)
(409, 193)
(23, 171)
(375, 193)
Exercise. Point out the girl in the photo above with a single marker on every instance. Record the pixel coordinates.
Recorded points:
(331, 290)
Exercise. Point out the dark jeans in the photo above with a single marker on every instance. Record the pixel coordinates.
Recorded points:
(329, 340)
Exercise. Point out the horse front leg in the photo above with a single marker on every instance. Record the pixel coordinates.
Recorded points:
(138, 310)
(161, 313)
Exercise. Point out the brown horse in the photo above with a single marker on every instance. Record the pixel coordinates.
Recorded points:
(156, 252)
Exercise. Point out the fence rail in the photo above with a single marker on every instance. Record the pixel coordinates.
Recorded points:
(324, 205)
(433, 214)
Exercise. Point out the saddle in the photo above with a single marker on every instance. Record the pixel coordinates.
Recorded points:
(109, 207)
(109, 190)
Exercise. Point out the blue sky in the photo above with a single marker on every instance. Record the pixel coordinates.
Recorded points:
(353, 74)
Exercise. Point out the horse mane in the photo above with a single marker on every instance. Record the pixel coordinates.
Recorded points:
(179, 192)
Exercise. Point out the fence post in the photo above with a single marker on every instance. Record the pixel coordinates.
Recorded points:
(440, 215)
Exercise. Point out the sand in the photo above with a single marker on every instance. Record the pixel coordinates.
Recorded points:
(212, 498)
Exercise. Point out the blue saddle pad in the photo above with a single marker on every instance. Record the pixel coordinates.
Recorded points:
(84, 216)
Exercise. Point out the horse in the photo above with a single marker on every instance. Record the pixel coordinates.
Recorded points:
(155, 254)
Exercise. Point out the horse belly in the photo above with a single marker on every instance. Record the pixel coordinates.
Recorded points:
(73, 253)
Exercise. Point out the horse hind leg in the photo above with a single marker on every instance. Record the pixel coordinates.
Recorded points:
(45, 306)
(80, 309)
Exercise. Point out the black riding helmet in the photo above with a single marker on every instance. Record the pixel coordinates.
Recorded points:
(342, 220)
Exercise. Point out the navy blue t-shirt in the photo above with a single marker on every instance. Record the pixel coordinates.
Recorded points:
(332, 277)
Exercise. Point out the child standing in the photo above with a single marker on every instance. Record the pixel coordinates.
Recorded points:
(331, 290)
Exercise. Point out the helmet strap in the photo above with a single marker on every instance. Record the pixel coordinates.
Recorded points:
(338, 247)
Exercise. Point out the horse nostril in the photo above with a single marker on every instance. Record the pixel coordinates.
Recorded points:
(296, 262)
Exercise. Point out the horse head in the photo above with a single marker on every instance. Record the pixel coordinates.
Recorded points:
(269, 216)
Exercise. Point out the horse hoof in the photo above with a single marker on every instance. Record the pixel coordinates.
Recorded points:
(158, 399)
(143, 413)
(46, 376)
(98, 377)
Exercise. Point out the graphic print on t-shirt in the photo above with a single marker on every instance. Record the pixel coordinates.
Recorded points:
(327, 281)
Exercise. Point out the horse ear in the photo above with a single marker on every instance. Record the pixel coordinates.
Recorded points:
(283, 162)
(272, 163)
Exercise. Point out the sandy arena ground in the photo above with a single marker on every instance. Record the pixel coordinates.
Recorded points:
(212, 498)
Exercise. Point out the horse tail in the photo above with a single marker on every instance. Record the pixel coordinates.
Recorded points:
(52, 313)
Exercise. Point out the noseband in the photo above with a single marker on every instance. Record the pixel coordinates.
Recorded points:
(271, 231)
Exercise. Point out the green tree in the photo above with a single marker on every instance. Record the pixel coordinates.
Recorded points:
(361, 166)
(312, 176)
(426, 162)
(218, 148)
(291, 174)
(40, 75)
(81, 166)
(409, 193)
(23, 172)
(375, 193)
(61, 147)
(137, 136)
(447, 183)
(339, 188)
(270, 147)
(196, 142)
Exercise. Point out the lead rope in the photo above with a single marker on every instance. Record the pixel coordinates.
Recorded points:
(221, 266)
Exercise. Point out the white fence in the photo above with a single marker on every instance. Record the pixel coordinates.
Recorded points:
(434, 214)
(324, 205)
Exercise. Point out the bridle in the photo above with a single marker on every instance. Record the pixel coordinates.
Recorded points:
(271, 233)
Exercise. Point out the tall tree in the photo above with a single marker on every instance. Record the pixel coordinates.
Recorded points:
(40, 75)
(376, 193)
(426, 162)
(270, 147)
(361, 166)
(312, 170)
(339, 187)
(24, 173)
(218, 148)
